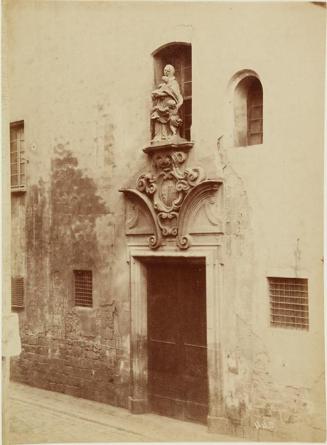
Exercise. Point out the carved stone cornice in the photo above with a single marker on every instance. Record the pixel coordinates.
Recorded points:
(174, 144)
(171, 193)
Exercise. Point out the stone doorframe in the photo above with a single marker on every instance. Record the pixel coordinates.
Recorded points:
(138, 400)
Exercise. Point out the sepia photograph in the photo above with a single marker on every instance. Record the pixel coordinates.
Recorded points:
(163, 221)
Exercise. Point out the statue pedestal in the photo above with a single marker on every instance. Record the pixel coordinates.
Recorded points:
(175, 143)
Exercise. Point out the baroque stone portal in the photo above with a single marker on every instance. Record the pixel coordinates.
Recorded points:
(168, 187)
(171, 193)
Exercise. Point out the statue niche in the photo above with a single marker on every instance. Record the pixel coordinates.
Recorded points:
(165, 200)
(167, 100)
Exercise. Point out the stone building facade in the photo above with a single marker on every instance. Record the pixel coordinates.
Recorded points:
(142, 265)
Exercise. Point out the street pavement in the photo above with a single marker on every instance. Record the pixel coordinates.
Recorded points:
(39, 416)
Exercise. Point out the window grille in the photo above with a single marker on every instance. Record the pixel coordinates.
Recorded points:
(186, 87)
(17, 292)
(17, 156)
(254, 111)
(289, 302)
(83, 288)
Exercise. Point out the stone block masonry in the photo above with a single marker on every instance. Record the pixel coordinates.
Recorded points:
(79, 368)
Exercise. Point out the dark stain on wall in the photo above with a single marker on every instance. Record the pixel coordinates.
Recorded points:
(68, 349)
(75, 206)
(37, 249)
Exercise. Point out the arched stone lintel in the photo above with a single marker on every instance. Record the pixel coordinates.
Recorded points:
(181, 37)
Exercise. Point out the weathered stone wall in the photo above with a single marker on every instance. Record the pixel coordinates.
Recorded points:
(66, 348)
(80, 76)
(76, 363)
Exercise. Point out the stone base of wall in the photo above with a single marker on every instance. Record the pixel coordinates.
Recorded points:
(84, 368)
(297, 432)
(81, 369)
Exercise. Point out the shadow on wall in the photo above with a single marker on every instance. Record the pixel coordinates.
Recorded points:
(75, 206)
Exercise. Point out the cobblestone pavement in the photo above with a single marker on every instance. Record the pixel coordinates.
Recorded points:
(39, 416)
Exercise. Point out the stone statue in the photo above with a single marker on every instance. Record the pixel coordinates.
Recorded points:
(167, 100)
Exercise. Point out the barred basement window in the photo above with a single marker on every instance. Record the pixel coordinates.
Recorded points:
(17, 156)
(289, 306)
(17, 292)
(83, 288)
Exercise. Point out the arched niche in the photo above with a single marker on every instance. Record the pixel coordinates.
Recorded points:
(244, 109)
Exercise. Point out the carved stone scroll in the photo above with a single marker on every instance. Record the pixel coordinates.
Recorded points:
(193, 200)
(172, 193)
(156, 239)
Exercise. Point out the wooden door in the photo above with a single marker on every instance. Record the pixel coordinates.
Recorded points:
(177, 340)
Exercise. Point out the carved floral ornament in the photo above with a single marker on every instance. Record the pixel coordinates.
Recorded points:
(170, 194)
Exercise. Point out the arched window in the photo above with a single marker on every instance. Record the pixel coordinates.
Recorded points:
(180, 56)
(248, 112)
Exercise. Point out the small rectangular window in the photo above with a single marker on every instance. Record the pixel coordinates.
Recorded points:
(17, 156)
(289, 306)
(17, 292)
(83, 288)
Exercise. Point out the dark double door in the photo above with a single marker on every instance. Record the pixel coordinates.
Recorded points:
(177, 340)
